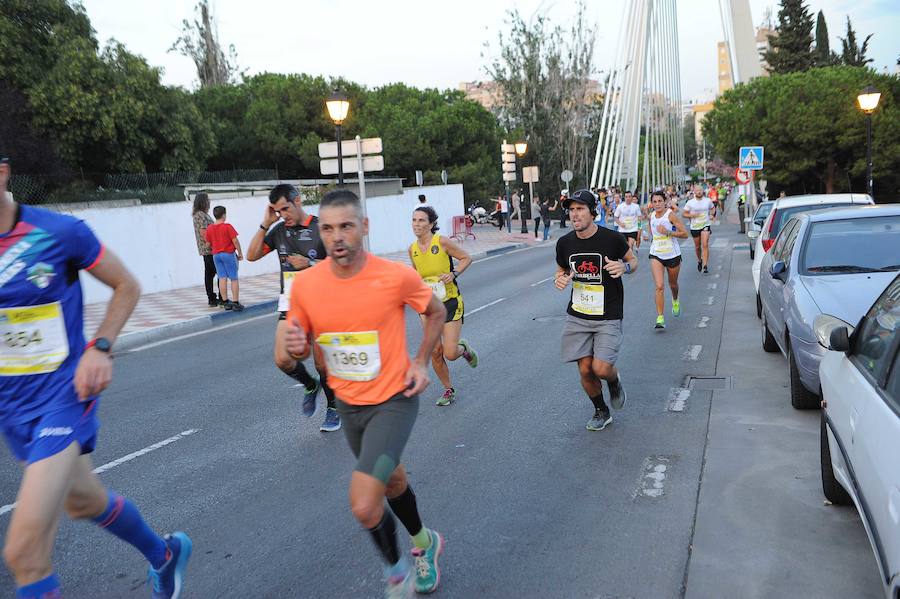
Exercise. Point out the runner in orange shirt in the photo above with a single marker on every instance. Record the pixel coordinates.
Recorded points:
(351, 313)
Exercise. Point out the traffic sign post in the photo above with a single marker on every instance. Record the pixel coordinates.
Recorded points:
(333, 162)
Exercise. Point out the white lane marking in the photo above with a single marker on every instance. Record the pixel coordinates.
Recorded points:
(720, 243)
(703, 322)
(127, 458)
(189, 335)
(470, 312)
(718, 268)
(716, 276)
(692, 353)
(712, 285)
(678, 399)
(653, 477)
(709, 301)
(541, 281)
(485, 259)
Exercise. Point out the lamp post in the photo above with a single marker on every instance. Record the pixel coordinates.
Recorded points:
(338, 106)
(868, 102)
(521, 149)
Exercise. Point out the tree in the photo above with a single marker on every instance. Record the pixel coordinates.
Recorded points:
(791, 48)
(199, 41)
(852, 54)
(812, 130)
(824, 55)
(544, 77)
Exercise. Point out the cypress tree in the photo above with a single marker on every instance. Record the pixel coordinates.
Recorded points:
(792, 45)
(824, 56)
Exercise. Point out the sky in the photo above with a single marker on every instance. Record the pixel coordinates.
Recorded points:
(429, 44)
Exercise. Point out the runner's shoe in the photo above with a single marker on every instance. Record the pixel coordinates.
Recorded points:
(660, 322)
(309, 399)
(617, 395)
(168, 580)
(400, 586)
(705, 270)
(676, 308)
(447, 398)
(699, 265)
(332, 421)
(469, 354)
(600, 420)
(428, 573)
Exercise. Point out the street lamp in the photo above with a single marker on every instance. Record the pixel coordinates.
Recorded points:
(868, 102)
(338, 106)
(521, 149)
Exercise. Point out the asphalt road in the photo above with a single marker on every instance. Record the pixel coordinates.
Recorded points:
(531, 504)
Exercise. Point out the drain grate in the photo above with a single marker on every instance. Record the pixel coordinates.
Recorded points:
(710, 383)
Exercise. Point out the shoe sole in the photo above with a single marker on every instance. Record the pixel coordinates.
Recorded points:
(326, 429)
(474, 362)
(437, 568)
(187, 547)
(444, 404)
(623, 398)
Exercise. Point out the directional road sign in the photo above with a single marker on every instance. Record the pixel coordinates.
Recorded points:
(371, 145)
(351, 164)
(750, 158)
(530, 174)
(509, 176)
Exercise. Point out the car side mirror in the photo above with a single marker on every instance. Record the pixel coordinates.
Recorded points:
(839, 340)
(753, 233)
(777, 270)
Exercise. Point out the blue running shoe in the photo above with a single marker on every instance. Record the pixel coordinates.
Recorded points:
(309, 399)
(332, 421)
(169, 579)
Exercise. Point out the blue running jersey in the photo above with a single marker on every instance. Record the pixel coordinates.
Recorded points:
(41, 311)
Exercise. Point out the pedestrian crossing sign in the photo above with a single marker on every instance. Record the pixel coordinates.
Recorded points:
(751, 158)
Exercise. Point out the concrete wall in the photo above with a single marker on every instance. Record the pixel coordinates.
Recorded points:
(157, 243)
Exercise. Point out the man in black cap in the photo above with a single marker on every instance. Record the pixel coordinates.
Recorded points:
(593, 259)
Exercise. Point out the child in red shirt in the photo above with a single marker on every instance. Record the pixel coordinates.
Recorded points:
(226, 252)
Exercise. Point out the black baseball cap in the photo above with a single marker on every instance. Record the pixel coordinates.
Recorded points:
(582, 196)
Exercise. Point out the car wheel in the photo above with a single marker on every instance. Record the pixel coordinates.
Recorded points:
(801, 397)
(758, 306)
(834, 492)
(768, 341)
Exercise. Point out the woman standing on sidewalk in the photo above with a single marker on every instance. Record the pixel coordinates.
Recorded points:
(202, 219)
(536, 213)
(432, 256)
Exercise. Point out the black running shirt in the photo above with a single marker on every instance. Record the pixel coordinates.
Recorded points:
(301, 240)
(595, 294)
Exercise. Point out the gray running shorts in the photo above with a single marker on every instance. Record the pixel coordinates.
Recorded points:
(598, 338)
(378, 433)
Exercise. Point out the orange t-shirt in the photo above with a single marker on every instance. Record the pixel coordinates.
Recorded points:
(359, 325)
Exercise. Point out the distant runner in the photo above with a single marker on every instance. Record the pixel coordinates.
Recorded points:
(701, 211)
(665, 254)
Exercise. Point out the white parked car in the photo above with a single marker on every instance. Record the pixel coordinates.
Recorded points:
(782, 210)
(755, 223)
(860, 436)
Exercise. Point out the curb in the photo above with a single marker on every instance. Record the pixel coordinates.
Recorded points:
(130, 341)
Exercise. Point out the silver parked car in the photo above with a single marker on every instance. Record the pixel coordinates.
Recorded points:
(833, 261)
(860, 429)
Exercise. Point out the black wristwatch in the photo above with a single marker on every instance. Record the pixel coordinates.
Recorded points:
(100, 344)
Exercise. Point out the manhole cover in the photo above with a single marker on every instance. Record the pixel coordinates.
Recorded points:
(554, 318)
(709, 383)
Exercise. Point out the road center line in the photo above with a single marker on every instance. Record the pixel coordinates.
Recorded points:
(5, 509)
(703, 322)
(541, 281)
(470, 312)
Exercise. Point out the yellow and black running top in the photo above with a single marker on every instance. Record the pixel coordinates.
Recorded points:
(432, 264)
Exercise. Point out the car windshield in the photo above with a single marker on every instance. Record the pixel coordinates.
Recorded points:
(762, 212)
(853, 245)
(783, 214)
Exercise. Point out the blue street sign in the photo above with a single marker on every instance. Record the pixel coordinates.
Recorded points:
(751, 158)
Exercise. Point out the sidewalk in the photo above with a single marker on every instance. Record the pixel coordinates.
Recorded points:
(762, 527)
(180, 311)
